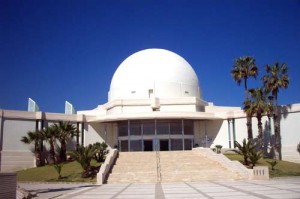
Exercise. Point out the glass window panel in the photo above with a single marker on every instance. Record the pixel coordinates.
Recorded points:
(162, 127)
(135, 145)
(176, 144)
(124, 145)
(188, 127)
(149, 127)
(187, 144)
(123, 128)
(135, 127)
(175, 127)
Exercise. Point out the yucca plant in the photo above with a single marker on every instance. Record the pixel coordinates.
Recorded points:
(58, 168)
(244, 149)
(273, 164)
(84, 155)
(254, 156)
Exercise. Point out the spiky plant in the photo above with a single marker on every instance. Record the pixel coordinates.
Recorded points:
(273, 164)
(84, 155)
(244, 149)
(58, 169)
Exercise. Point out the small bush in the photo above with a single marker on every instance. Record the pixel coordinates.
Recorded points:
(218, 148)
(273, 164)
(58, 168)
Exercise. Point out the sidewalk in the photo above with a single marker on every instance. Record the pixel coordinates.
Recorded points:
(227, 189)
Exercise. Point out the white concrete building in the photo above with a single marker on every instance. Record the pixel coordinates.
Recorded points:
(154, 103)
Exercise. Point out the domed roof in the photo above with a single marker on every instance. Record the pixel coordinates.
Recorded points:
(154, 72)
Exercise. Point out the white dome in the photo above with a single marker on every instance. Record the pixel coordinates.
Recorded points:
(154, 72)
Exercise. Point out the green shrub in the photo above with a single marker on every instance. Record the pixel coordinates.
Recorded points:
(102, 151)
(58, 168)
(218, 148)
(273, 164)
(84, 155)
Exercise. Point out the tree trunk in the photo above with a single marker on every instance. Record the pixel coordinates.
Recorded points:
(52, 154)
(63, 150)
(249, 127)
(277, 129)
(277, 137)
(260, 132)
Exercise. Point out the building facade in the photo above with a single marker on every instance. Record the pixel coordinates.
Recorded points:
(154, 103)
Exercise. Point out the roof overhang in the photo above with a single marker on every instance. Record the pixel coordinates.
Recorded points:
(153, 115)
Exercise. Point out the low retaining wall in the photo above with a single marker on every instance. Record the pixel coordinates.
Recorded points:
(107, 166)
(8, 185)
(260, 173)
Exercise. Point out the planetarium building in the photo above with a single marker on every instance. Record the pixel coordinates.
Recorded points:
(154, 99)
(154, 103)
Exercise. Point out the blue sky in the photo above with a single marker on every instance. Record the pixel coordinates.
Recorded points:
(54, 51)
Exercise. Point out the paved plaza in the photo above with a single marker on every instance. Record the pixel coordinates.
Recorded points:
(234, 189)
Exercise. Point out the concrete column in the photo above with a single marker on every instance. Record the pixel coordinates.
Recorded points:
(229, 133)
(182, 129)
(128, 131)
(82, 133)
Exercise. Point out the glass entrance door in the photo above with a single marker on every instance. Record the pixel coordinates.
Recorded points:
(164, 145)
(148, 145)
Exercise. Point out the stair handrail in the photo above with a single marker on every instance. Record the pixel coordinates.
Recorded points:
(158, 167)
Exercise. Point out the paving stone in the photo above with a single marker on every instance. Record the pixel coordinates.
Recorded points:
(275, 188)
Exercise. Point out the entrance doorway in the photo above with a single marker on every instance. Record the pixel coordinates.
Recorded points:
(148, 145)
(164, 145)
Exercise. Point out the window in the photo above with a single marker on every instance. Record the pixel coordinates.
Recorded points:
(162, 127)
(123, 128)
(135, 127)
(148, 127)
(176, 144)
(175, 127)
(188, 127)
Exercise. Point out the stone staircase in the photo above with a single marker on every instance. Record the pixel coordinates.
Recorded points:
(175, 166)
(134, 167)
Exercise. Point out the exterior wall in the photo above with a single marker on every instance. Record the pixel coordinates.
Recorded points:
(183, 108)
(211, 133)
(100, 132)
(13, 131)
(290, 125)
(207, 132)
(241, 129)
(218, 131)
(15, 154)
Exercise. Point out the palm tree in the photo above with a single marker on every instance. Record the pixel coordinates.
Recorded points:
(50, 135)
(36, 138)
(65, 131)
(276, 78)
(259, 107)
(84, 155)
(243, 69)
